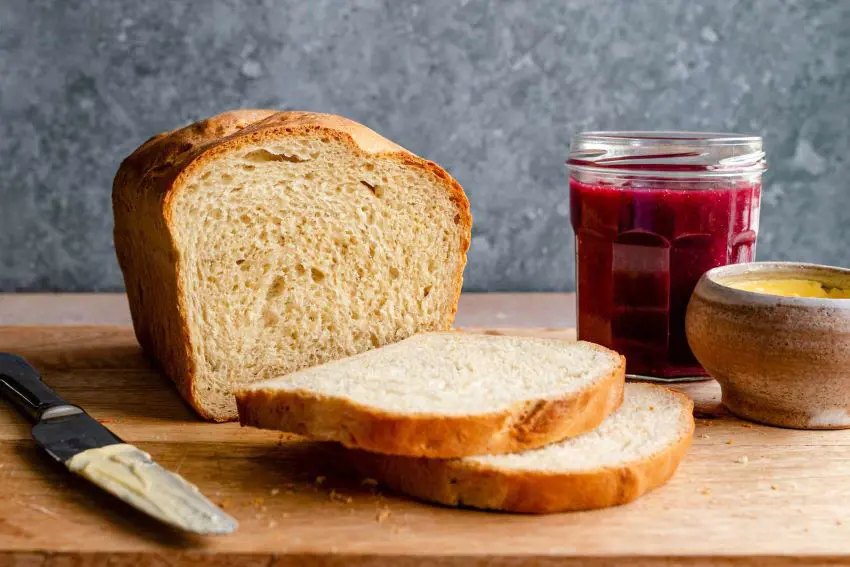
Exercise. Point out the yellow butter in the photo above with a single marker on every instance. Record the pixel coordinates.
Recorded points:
(129, 474)
(792, 288)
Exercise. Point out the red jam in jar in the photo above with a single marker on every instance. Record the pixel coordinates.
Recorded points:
(652, 212)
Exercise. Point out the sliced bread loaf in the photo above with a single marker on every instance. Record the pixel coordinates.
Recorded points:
(257, 243)
(445, 395)
(635, 450)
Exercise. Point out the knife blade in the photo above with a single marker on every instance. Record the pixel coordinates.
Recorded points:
(87, 448)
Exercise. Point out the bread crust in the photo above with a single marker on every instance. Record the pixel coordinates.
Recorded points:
(523, 426)
(143, 193)
(464, 483)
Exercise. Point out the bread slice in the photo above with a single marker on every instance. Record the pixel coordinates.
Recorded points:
(257, 243)
(635, 450)
(445, 395)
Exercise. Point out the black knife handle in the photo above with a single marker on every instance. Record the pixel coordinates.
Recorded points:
(23, 386)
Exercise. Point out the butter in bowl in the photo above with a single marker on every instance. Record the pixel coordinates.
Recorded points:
(776, 336)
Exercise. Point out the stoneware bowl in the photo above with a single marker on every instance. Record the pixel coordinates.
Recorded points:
(779, 360)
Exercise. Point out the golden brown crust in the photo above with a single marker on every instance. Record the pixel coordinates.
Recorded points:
(523, 426)
(144, 189)
(461, 482)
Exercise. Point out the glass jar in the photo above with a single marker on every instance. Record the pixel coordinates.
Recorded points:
(653, 211)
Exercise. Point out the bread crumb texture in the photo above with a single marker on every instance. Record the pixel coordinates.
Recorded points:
(649, 420)
(260, 243)
(455, 374)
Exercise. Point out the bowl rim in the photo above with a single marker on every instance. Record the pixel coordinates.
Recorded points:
(712, 281)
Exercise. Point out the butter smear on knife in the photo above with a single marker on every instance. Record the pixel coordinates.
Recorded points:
(132, 476)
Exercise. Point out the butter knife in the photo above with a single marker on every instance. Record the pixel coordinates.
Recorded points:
(89, 449)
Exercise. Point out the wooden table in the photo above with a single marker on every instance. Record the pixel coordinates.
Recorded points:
(745, 494)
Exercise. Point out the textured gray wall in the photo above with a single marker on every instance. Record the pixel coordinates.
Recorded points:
(492, 90)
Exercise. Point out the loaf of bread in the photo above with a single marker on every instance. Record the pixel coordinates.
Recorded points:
(257, 243)
(445, 395)
(636, 449)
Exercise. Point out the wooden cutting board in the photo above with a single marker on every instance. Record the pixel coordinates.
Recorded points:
(745, 494)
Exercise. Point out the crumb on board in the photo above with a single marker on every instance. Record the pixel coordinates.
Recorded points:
(382, 515)
(743, 460)
(272, 524)
(747, 425)
(285, 438)
(285, 515)
(259, 501)
(705, 491)
(704, 436)
(729, 442)
(320, 480)
(43, 510)
(838, 522)
(337, 497)
(368, 482)
(774, 487)
(275, 491)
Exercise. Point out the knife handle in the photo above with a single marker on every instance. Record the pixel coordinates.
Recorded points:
(22, 385)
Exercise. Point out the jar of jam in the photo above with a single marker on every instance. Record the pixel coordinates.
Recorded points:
(653, 211)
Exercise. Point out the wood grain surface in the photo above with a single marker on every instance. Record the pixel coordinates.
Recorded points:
(745, 494)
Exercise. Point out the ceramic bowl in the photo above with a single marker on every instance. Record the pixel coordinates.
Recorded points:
(779, 360)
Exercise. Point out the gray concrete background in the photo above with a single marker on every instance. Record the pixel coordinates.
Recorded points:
(492, 90)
